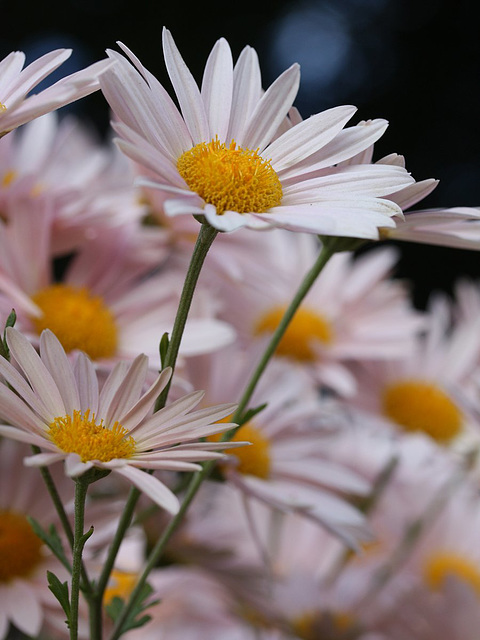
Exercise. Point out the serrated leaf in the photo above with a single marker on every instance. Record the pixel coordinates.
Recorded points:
(51, 539)
(135, 619)
(60, 591)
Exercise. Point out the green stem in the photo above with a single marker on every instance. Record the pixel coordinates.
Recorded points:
(200, 476)
(206, 236)
(67, 527)
(324, 256)
(79, 539)
(204, 241)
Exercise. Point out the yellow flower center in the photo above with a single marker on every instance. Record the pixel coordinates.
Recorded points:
(2, 107)
(79, 319)
(443, 565)
(20, 548)
(306, 328)
(120, 585)
(324, 626)
(8, 177)
(92, 441)
(253, 459)
(230, 178)
(421, 406)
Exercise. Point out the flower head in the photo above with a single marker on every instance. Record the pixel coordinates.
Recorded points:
(60, 408)
(229, 156)
(17, 107)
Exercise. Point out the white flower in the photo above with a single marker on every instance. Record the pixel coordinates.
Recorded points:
(59, 408)
(17, 107)
(222, 156)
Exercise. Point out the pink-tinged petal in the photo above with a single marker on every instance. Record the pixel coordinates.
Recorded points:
(35, 73)
(346, 144)
(18, 404)
(307, 137)
(152, 487)
(137, 413)
(228, 221)
(43, 459)
(412, 194)
(322, 473)
(168, 465)
(128, 391)
(203, 335)
(247, 91)
(366, 180)
(171, 412)
(18, 298)
(4, 621)
(186, 90)
(110, 387)
(178, 207)
(271, 109)
(56, 361)
(87, 384)
(217, 86)
(36, 372)
(24, 609)
(173, 124)
(22, 436)
(74, 466)
(10, 67)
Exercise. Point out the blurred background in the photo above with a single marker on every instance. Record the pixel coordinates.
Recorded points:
(414, 62)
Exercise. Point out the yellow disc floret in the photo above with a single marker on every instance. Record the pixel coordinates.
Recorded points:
(417, 405)
(230, 178)
(325, 625)
(81, 434)
(20, 548)
(120, 585)
(443, 565)
(306, 328)
(79, 319)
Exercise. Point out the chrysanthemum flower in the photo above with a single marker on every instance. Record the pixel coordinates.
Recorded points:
(222, 156)
(105, 304)
(17, 107)
(59, 408)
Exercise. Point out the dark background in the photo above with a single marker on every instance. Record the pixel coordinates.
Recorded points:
(413, 62)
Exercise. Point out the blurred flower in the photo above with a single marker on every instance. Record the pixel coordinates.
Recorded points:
(61, 409)
(17, 107)
(222, 158)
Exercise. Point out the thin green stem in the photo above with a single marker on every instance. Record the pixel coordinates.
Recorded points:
(200, 476)
(204, 241)
(79, 539)
(206, 236)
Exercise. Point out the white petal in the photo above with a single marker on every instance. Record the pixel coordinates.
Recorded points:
(57, 363)
(217, 88)
(150, 486)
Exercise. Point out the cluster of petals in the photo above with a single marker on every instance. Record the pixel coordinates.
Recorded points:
(49, 387)
(18, 107)
(231, 106)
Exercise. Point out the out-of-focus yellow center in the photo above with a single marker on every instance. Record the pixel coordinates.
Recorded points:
(253, 459)
(79, 319)
(8, 177)
(2, 107)
(324, 626)
(422, 406)
(443, 565)
(81, 434)
(305, 330)
(230, 178)
(120, 585)
(20, 548)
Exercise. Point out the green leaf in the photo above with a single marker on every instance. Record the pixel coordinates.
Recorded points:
(51, 539)
(4, 350)
(135, 618)
(60, 591)
(163, 347)
(251, 413)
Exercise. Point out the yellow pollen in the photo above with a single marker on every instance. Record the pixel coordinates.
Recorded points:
(324, 626)
(120, 585)
(2, 107)
(8, 177)
(421, 406)
(79, 319)
(306, 328)
(20, 548)
(81, 434)
(253, 459)
(443, 565)
(230, 178)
